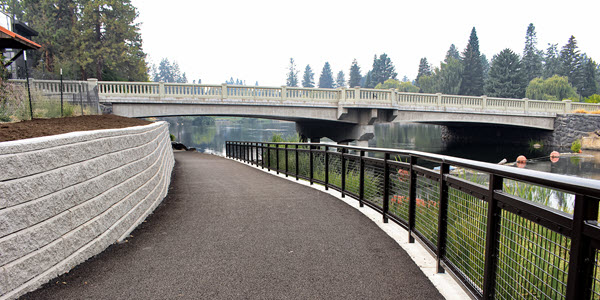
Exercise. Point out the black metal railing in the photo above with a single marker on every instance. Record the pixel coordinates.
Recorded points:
(477, 219)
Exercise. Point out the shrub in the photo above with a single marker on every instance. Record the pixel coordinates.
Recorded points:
(172, 137)
(576, 146)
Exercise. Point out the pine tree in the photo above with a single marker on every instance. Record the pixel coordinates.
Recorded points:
(551, 61)
(292, 76)
(570, 59)
(506, 78)
(309, 77)
(366, 83)
(340, 81)
(383, 69)
(326, 78)
(532, 59)
(590, 84)
(424, 70)
(485, 65)
(472, 78)
(452, 53)
(355, 76)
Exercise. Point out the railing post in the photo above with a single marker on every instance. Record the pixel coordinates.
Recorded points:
(296, 164)
(439, 100)
(442, 217)
(567, 106)
(581, 261)
(357, 94)
(226, 149)
(386, 187)
(343, 160)
(277, 158)
(223, 91)
(326, 168)
(262, 156)
(310, 158)
(361, 179)
(491, 237)
(526, 105)
(392, 97)
(161, 90)
(268, 157)
(283, 92)
(412, 199)
(484, 102)
(286, 160)
(342, 97)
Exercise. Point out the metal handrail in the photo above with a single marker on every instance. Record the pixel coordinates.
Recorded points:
(578, 234)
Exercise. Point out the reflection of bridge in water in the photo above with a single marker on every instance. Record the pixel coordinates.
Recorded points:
(340, 114)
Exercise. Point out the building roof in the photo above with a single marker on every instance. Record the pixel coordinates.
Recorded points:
(9, 39)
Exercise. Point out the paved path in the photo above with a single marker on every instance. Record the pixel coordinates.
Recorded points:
(229, 231)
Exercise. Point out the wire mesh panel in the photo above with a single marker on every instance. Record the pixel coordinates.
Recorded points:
(335, 169)
(466, 233)
(399, 193)
(319, 166)
(426, 213)
(353, 176)
(304, 164)
(533, 261)
(595, 290)
(374, 184)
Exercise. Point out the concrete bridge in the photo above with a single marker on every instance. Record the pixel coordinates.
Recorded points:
(343, 114)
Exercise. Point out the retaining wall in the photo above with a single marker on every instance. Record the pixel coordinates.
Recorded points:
(66, 198)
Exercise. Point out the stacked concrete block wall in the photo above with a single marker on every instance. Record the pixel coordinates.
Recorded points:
(66, 198)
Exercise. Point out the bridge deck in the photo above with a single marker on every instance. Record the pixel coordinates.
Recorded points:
(230, 231)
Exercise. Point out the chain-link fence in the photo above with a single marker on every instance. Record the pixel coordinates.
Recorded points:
(20, 99)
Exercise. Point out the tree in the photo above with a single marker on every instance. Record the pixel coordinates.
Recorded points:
(340, 81)
(424, 69)
(292, 76)
(326, 78)
(452, 53)
(367, 81)
(167, 72)
(446, 79)
(551, 61)
(507, 79)
(404, 86)
(485, 65)
(570, 60)
(383, 69)
(472, 76)
(554, 88)
(532, 58)
(355, 76)
(309, 77)
(589, 84)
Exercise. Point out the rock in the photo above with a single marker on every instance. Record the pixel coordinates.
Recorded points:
(178, 146)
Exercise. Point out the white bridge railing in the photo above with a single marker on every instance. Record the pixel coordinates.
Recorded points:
(348, 97)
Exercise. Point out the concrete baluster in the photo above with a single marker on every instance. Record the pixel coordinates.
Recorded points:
(439, 100)
(161, 90)
(283, 92)
(357, 94)
(567, 106)
(484, 102)
(223, 91)
(342, 97)
(393, 97)
(526, 105)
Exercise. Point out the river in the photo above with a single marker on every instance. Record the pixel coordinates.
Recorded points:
(210, 137)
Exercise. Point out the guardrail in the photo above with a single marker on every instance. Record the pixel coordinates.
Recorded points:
(473, 217)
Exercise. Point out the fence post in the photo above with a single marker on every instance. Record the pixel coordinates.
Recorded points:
(327, 168)
(343, 160)
(361, 179)
(268, 157)
(491, 237)
(526, 105)
(286, 160)
(439, 100)
(484, 102)
(567, 106)
(412, 196)
(310, 158)
(581, 270)
(357, 94)
(442, 217)
(386, 187)
(277, 158)
(393, 97)
(223, 91)
(296, 164)
(161, 90)
(283, 92)
(262, 155)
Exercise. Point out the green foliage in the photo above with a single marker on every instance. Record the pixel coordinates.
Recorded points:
(326, 79)
(506, 78)
(172, 137)
(576, 146)
(472, 75)
(367, 81)
(355, 76)
(589, 85)
(595, 98)
(292, 76)
(279, 138)
(485, 66)
(452, 53)
(446, 79)
(167, 72)
(554, 88)
(551, 61)
(309, 77)
(424, 70)
(340, 80)
(383, 69)
(571, 63)
(399, 86)
(532, 58)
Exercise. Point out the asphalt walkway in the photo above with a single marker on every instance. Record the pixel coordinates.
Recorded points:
(229, 231)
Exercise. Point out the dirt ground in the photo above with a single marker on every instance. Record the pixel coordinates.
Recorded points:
(45, 127)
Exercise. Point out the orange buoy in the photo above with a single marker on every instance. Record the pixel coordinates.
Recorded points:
(554, 154)
(521, 159)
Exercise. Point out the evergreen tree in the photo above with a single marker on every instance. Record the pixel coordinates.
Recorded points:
(383, 69)
(446, 79)
(355, 76)
(532, 58)
(472, 76)
(452, 53)
(309, 77)
(590, 84)
(570, 60)
(551, 61)
(424, 70)
(367, 81)
(326, 78)
(340, 81)
(485, 65)
(506, 79)
(292, 76)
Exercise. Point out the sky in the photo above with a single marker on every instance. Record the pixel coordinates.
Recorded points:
(214, 40)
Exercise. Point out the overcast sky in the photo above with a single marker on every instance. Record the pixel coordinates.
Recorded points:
(254, 40)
